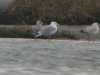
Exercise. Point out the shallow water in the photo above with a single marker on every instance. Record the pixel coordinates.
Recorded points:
(44, 57)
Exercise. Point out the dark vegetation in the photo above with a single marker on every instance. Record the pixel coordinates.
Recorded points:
(63, 11)
(68, 12)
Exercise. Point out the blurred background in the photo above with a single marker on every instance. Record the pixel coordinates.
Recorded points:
(18, 17)
(71, 12)
(5, 3)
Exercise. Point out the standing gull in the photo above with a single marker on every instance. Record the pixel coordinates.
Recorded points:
(48, 30)
(91, 31)
(36, 27)
(39, 24)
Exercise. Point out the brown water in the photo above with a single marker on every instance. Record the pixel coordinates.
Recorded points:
(44, 57)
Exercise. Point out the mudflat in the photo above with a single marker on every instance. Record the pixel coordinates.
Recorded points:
(49, 57)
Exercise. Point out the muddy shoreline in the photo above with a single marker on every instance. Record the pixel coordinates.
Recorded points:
(53, 57)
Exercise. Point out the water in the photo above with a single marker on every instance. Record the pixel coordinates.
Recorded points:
(44, 57)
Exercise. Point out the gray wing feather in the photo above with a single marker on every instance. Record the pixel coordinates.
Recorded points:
(92, 30)
(47, 30)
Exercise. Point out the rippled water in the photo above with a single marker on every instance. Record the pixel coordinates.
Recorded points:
(43, 57)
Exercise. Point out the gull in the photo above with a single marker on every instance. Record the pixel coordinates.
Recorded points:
(91, 31)
(39, 24)
(48, 30)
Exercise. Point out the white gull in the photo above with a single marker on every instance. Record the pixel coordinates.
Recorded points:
(91, 31)
(48, 30)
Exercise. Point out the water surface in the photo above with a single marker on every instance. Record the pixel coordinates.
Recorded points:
(43, 57)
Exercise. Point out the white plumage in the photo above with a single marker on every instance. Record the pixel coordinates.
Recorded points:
(39, 24)
(92, 30)
(48, 30)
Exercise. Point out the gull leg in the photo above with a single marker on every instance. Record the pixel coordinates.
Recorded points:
(49, 38)
(89, 38)
(36, 38)
(93, 38)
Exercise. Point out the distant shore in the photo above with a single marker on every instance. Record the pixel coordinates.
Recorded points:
(24, 31)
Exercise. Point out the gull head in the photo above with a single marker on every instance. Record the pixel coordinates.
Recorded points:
(39, 22)
(53, 23)
(95, 24)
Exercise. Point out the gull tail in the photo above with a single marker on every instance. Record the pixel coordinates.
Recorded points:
(36, 34)
(39, 34)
